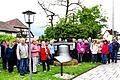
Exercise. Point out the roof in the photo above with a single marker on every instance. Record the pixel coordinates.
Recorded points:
(10, 26)
(16, 23)
(7, 28)
(110, 32)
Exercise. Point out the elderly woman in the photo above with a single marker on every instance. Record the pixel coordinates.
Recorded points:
(52, 51)
(80, 50)
(9, 56)
(87, 54)
(35, 54)
(45, 54)
(105, 51)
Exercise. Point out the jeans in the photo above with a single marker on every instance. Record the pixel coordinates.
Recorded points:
(94, 58)
(99, 57)
(114, 56)
(38, 60)
(44, 65)
(23, 65)
(52, 59)
(104, 58)
(80, 57)
(18, 65)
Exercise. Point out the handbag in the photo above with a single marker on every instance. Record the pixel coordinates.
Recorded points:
(48, 57)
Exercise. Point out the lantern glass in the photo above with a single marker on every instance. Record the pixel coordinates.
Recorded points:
(29, 16)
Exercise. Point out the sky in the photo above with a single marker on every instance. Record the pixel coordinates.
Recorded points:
(11, 9)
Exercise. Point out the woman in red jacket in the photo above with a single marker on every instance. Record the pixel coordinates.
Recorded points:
(105, 51)
(44, 54)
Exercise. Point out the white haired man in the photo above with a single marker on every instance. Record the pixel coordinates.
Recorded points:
(22, 55)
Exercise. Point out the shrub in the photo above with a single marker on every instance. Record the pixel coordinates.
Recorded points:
(7, 38)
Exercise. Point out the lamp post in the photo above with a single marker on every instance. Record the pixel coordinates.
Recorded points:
(29, 19)
(112, 19)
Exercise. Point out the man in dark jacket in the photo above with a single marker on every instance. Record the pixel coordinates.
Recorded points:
(3, 43)
(16, 61)
(9, 57)
(115, 49)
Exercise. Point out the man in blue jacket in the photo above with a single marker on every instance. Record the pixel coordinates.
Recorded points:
(115, 48)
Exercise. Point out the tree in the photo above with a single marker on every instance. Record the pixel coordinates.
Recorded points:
(67, 4)
(85, 23)
(92, 20)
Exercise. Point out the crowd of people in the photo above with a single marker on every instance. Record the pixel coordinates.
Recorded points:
(96, 51)
(17, 53)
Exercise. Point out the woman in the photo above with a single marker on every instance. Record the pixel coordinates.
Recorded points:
(3, 48)
(87, 55)
(99, 51)
(94, 50)
(52, 51)
(105, 52)
(9, 57)
(45, 54)
(80, 50)
(35, 54)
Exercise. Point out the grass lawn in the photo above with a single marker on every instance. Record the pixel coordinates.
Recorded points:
(73, 70)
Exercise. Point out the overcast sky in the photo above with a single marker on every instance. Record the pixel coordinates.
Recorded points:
(11, 9)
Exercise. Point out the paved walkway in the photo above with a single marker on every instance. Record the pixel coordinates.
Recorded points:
(103, 72)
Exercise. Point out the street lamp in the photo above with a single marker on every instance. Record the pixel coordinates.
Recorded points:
(29, 19)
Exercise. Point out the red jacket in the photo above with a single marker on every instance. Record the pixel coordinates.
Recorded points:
(43, 54)
(105, 49)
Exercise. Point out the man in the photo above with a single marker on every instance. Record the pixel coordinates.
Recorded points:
(22, 55)
(16, 61)
(115, 49)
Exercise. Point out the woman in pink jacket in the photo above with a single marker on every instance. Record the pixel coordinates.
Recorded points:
(105, 51)
(80, 50)
(35, 54)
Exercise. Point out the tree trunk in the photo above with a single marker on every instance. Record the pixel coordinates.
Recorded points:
(67, 7)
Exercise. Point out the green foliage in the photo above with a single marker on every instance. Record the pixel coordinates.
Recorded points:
(7, 38)
(85, 23)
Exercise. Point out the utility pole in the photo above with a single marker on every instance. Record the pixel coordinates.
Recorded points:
(113, 19)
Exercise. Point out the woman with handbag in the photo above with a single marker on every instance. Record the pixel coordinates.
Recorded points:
(45, 55)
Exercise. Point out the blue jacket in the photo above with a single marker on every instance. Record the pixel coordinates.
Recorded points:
(110, 48)
(52, 50)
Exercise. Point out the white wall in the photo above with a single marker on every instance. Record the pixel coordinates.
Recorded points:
(11, 34)
(107, 36)
(2, 32)
(14, 34)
